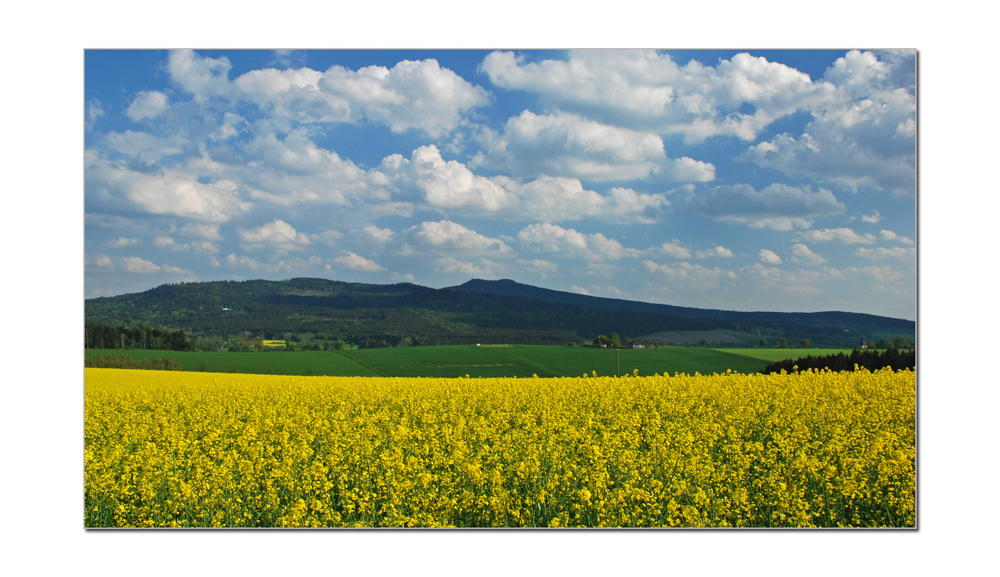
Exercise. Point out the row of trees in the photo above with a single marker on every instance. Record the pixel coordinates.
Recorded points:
(615, 341)
(787, 344)
(104, 336)
(895, 343)
(123, 361)
(101, 336)
(869, 359)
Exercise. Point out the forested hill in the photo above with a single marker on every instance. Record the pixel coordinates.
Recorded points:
(325, 311)
(507, 287)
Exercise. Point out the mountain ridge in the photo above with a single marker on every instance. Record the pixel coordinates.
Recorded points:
(401, 314)
(511, 287)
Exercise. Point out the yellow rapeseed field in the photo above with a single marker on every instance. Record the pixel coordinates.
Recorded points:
(810, 449)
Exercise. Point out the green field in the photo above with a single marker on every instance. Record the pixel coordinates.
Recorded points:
(548, 361)
(277, 362)
(481, 361)
(772, 355)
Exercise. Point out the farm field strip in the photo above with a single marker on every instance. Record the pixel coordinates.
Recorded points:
(326, 363)
(772, 355)
(549, 361)
(177, 449)
(480, 361)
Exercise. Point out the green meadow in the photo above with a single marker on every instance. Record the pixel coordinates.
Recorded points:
(771, 355)
(479, 361)
(270, 362)
(547, 361)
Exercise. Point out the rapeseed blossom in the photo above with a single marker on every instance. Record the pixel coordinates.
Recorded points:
(807, 449)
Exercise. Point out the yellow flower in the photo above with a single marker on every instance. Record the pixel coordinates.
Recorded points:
(726, 450)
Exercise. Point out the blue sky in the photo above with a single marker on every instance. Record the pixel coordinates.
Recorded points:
(731, 179)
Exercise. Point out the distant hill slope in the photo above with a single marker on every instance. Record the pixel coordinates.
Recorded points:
(834, 325)
(321, 310)
(507, 287)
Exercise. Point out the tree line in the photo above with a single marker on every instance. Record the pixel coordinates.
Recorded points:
(869, 359)
(101, 336)
(123, 361)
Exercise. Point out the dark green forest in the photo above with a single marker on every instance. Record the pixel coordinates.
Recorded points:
(122, 361)
(324, 314)
(869, 359)
(100, 336)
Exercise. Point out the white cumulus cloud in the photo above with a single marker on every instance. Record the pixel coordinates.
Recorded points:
(777, 206)
(122, 242)
(674, 250)
(356, 262)
(148, 104)
(643, 88)
(873, 218)
(277, 234)
(295, 170)
(450, 264)
(891, 236)
(692, 276)
(139, 265)
(719, 251)
(565, 144)
(802, 254)
(100, 261)
(864, 137)
(168, 192)
(204, 231)
(844, 235)
(378, 234)
(559, 198)
(95, 110)
(449, 235)
(768, 257)
(452, 186)
(879, 253)
(200, 75)
(553, 238)
(410, 95)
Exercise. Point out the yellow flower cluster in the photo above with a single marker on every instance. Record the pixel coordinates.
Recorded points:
(727, 450)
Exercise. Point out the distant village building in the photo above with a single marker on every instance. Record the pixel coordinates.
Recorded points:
(638, 346)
